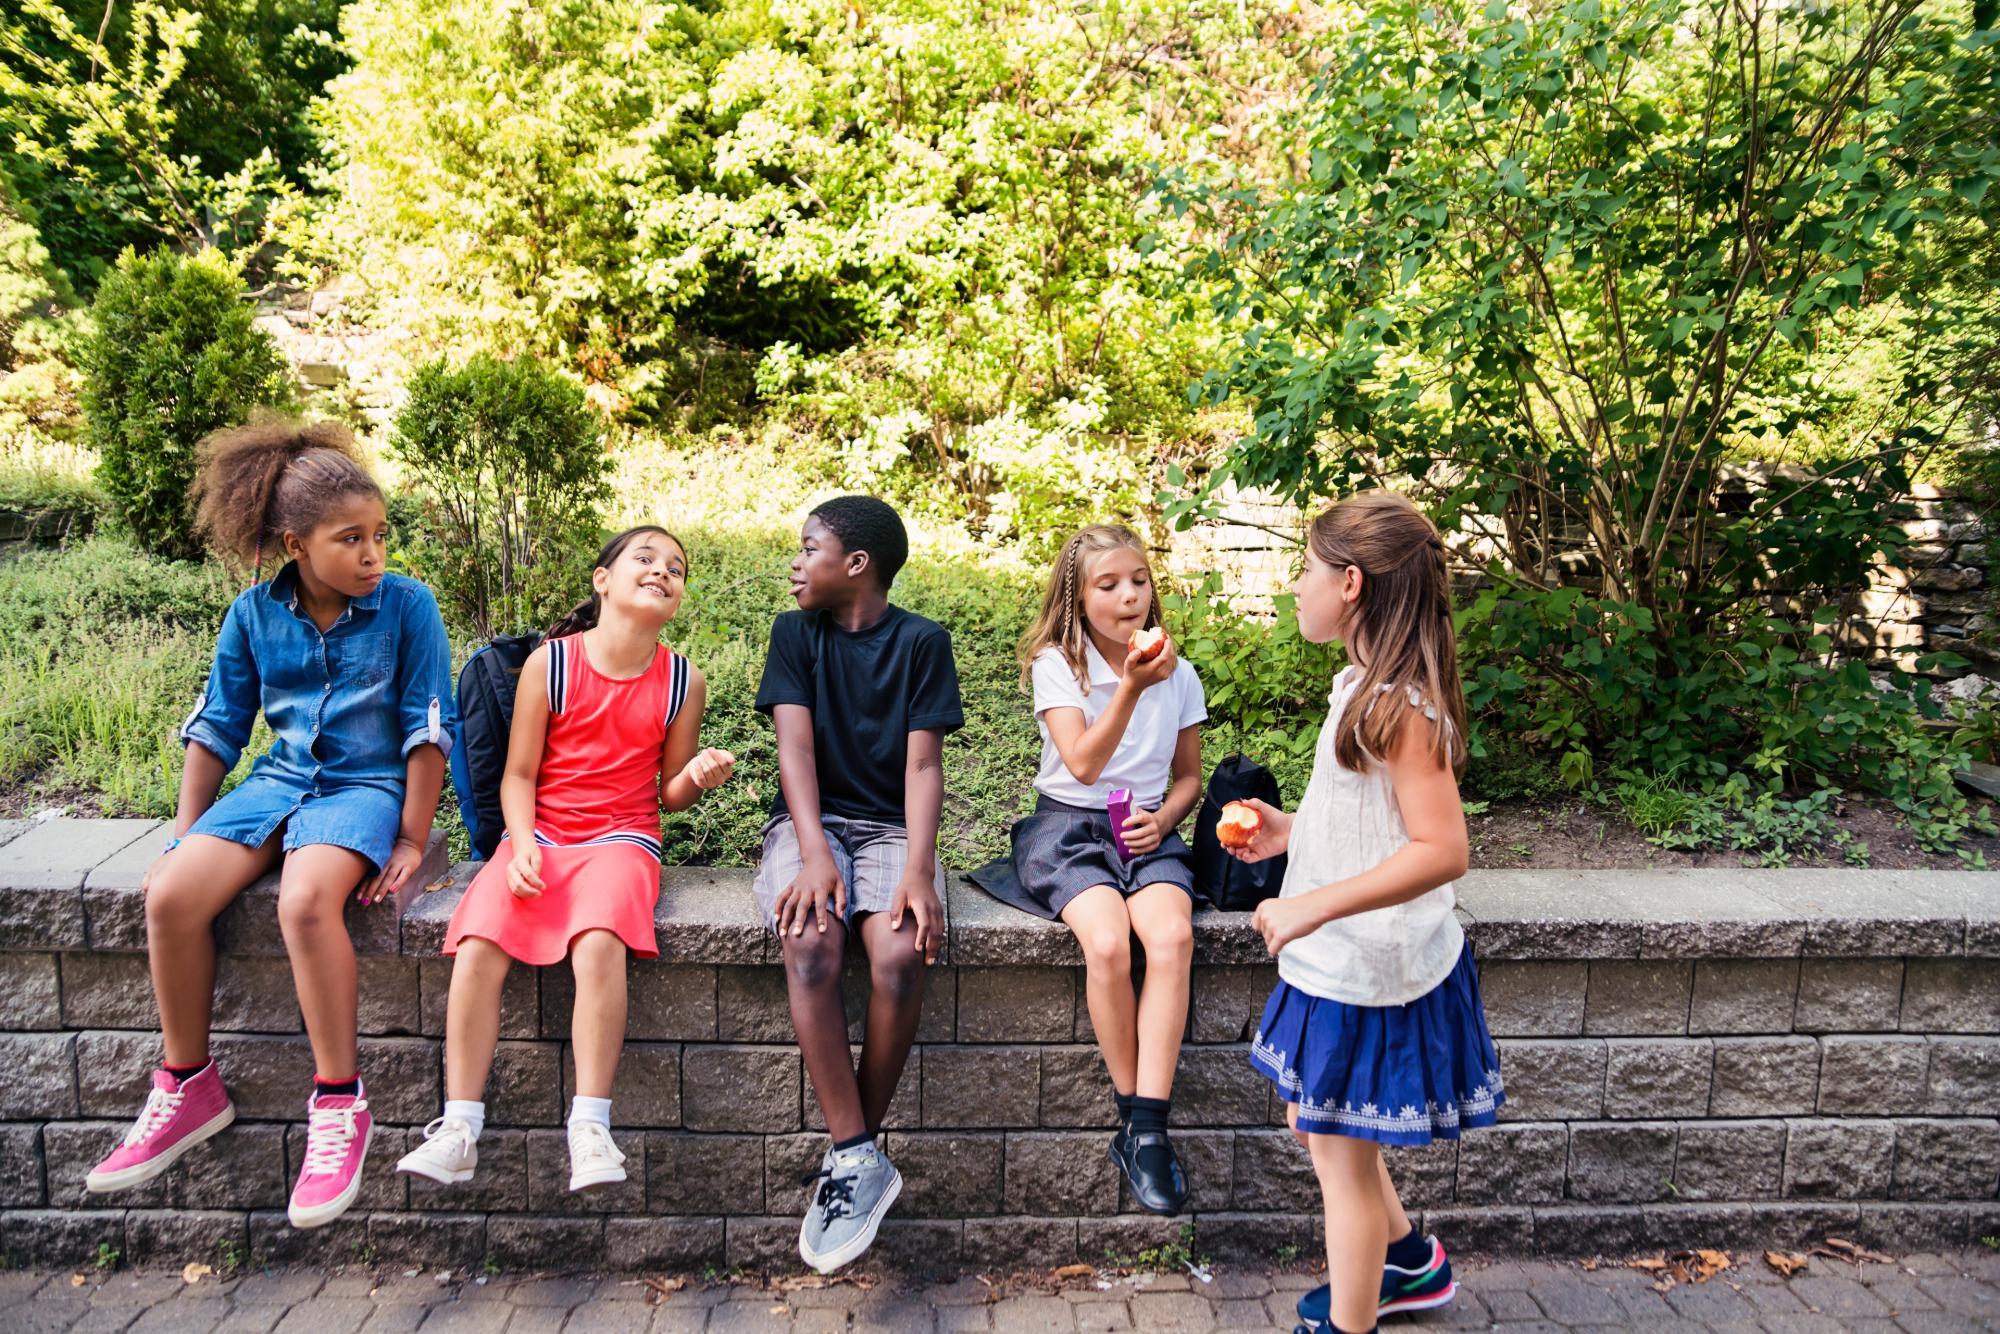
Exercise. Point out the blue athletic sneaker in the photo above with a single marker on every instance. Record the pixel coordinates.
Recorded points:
(1423, 1289)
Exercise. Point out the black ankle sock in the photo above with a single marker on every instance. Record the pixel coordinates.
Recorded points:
(865, 1137)
(1412, 1252)
(1124, 1101)
(1149, 1114)
(337, 1088)
(183, 1073)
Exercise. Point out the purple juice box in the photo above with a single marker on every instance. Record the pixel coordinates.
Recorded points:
(1118, 805)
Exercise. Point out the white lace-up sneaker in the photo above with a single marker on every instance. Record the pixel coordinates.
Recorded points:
(594, 1160)
(447, 1156)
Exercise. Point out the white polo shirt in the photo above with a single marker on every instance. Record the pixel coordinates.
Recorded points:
(1143, 763)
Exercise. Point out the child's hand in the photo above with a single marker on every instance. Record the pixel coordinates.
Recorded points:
(524, 872)
(1272, 837)
(1144, 831)
(710, 769)
(403, 863)
(1282, 921)
(808, 898)
(1151, 671)
(916, 895)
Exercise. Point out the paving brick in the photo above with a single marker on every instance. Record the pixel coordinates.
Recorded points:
(1898, 1229)
(1873, 1076)
(1730, 1160)
(664, 1002)
(1765, 1076)
(525, 1087)
(1076, 1088)
(58, 854)
(30, 996)
(1553, 1079)
(541, 1243)
(1520, 1163)
(1839, 1160)
(1272, 1173)
(1016, 1004)
(1743, 995)
(1623, 1163)
(740, 1088)
(662, 1243)
(646, 1091)
(751, 1005)
(388, 997)
(1426, 1176)
(520, 1000)
(1216, 1086)
(499, 1183)
(1208, 1159)
(1638, 997)
(981, 1088)
(1658, 1077)
(1964, 1077)
(1849, 995)
(21, 1184)
(1529, 998)
(1947, 1160)
(947, 1175)
(548, 1176)
(1951, 996)
(60, 1237)
(704, 1175)
(41, 1075)
(1054, 1175)
(184, 1236)
(1228, 1001)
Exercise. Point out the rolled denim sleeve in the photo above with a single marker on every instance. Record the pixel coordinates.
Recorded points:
(227, 708)
(423, 674)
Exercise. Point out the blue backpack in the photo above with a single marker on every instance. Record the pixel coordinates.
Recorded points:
(486, 688)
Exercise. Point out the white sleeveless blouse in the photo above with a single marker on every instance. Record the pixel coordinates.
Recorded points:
(1348, 822)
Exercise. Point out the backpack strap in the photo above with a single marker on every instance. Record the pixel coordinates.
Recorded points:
(677, 685)
(559, 672)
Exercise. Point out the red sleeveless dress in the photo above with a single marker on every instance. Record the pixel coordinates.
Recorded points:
(597, 814)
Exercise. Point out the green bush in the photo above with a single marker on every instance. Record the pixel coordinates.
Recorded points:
(174, 355)
(512, 463)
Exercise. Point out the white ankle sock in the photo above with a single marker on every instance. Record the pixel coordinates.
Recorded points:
(472, 1113)
(596, 1111)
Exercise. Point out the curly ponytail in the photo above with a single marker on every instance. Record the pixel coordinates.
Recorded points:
(584, 615)
(276, 475)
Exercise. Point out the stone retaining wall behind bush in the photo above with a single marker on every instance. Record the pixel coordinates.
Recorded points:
(1713, 1057)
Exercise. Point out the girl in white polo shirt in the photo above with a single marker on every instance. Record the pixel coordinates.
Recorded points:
(1375, 1034)
(1114, 716)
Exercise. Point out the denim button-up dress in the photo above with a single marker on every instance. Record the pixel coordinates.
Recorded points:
(347, 705)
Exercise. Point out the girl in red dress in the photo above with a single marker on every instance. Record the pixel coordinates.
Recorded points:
(607, 729)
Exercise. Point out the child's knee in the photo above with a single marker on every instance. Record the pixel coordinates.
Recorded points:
(898, 977)
(175, 902)
(597, 954)
(813, 960)
(1107, 950)
(1167, 938)
(307, 904)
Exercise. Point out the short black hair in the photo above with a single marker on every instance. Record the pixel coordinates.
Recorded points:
(863, 523)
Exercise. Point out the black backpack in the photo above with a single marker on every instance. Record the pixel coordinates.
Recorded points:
(1231, 885)
(486, 687)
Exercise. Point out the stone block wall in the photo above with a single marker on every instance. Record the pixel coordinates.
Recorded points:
(1713, 1057)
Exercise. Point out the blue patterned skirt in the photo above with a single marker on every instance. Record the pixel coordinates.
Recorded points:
(1396, 1074)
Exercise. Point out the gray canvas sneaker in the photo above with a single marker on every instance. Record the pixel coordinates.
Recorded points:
(851, 1192)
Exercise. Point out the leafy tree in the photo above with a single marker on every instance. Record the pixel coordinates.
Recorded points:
(174, 354)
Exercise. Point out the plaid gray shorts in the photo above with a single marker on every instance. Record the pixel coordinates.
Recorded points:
(870, 857)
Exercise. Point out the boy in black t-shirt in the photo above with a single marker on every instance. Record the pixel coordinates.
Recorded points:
(861, 694)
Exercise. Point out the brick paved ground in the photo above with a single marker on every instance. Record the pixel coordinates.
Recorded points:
(1918, 1294)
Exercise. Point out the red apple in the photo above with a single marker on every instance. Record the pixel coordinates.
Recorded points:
(1238, 824)
(1147, 643)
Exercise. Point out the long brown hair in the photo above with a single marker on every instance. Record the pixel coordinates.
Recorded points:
(584, 614)
(1401, 624)
(275, 475)
(1061, 621)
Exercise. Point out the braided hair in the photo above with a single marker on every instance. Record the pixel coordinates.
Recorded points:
(276, 475)
(584, 614)
(1061, 621)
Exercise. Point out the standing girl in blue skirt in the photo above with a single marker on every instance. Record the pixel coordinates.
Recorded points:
(1375, 1034)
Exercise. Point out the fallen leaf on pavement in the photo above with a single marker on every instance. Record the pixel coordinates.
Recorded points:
(195, 1273)
(1847, 1250)
(1073, 1271)
(76, 1280)
(1787, 1265)
(1590, 1265)
(1651, 1266)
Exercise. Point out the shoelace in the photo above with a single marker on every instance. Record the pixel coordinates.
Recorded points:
(329, 1131)
(590, 1140)
(159, 1109)
(459, 1132)
(835, 1195)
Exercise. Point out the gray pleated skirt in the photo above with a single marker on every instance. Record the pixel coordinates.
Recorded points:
(1062, 850)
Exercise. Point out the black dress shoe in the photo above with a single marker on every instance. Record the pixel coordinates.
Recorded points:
(1151, 1169)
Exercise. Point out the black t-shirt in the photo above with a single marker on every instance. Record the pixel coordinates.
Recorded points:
(868, 690)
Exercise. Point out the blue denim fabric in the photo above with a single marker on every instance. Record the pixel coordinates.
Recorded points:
(347, 707)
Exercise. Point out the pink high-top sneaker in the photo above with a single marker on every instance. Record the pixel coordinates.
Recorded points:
(177, 1116)
(338, 1130)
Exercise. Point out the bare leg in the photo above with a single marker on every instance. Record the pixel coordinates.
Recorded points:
(896, 976)
(812, 982)
(311, 893)
(472, 1017)
(1357, 1227)
(597, 1026)
(1392, 1204)
(192, 887)
(1162, 916)
(1104, 930)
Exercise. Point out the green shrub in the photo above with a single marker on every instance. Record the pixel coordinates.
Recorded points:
(513, 465)
(175, 354)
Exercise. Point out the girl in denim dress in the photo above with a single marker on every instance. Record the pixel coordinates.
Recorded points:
(350, 667)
